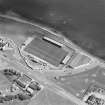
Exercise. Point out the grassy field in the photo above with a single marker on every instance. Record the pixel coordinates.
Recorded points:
(81, 21)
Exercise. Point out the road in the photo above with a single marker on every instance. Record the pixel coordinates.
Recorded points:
(46, 83)
(41, 78)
